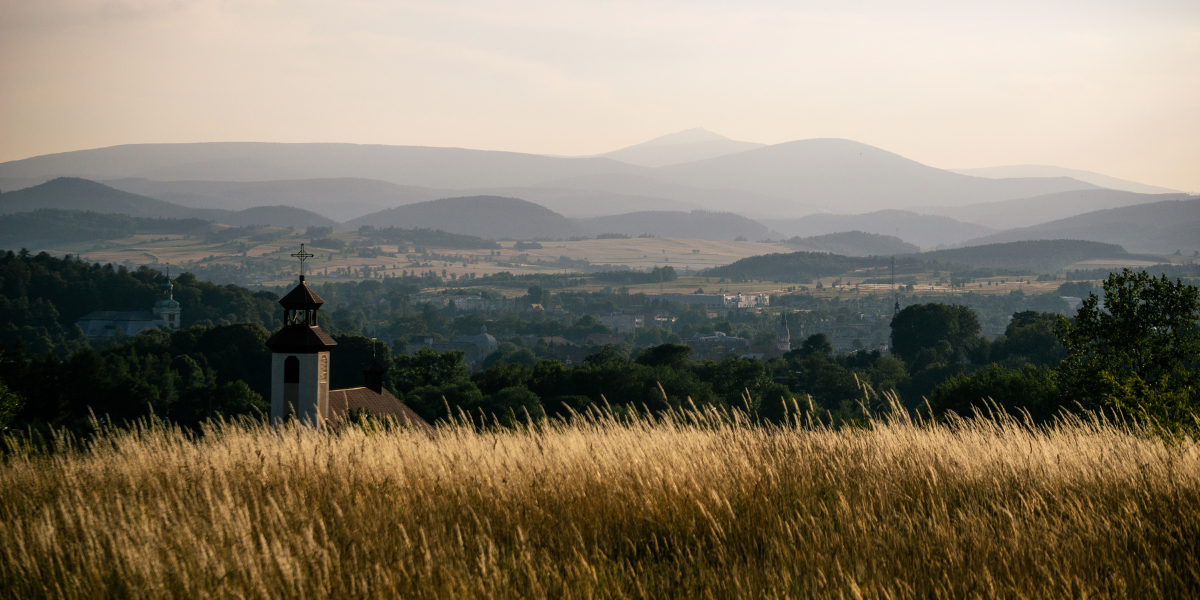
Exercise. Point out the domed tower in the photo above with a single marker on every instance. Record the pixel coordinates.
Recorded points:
(300, 357)
(785, 337)
(167, 308)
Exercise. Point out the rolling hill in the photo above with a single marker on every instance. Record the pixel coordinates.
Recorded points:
(852, 177)
(680, 147)
(490, 217)
(855, 243)
(1099, 179)
(697, 224)
(1040, 256)
(446, 168)
(1158, 227)
(340, 199)
(69, 193)
(926, 231)
(1026, 212)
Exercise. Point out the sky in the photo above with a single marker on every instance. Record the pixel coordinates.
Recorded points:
(1111, 87)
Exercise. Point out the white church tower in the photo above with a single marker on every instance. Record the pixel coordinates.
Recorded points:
(784, 342)
(300, 357)
(167, 308)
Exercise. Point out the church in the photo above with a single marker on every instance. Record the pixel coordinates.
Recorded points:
(300, 355)
(110, 323)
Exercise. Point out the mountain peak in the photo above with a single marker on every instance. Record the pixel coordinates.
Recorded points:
(687, 136)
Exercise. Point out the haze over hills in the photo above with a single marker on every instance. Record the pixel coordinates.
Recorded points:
(1039, 256)
(1051, 171)
(1025, 212)
(80, 194)
(718, 199)
(340, 199)
(851, 176)
(419, 166)
(926, 231)
(789, 179)
(854, 243)
(680, 147)
(491, 217)
(1159, 227)
(699, 224)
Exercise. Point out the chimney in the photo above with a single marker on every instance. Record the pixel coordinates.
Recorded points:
(373, 376)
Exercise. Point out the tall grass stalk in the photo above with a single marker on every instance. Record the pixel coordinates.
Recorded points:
(693, 504)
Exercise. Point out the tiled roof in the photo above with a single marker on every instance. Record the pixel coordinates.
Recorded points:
(117, 315)
(301, 297)
(300, 339)
(344, 401)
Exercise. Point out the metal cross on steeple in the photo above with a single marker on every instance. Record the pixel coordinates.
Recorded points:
(302, 255)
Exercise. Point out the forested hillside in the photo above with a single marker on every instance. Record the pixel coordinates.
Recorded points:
(52, 226)
(41, 298)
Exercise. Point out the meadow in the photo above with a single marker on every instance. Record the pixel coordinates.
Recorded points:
(699, 504)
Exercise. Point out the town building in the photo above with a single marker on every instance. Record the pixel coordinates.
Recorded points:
(620, 323)
(717, 345)
(109, 323)
(717, 301)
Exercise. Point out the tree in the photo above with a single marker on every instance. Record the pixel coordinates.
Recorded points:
(1140, 351)
(922, 326)
(1031, 336)
(10, 402)
(427, 368)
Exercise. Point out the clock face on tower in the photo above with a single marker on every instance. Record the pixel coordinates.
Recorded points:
(323, 369)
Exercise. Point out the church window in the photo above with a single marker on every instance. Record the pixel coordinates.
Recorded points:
(291, 370)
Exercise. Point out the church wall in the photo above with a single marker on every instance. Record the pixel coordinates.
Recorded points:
(313, 404)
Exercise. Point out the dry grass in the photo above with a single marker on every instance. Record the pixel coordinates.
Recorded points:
(683, 507)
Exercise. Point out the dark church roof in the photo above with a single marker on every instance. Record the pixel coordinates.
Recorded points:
(300, 339)
(301, 298)
(342, 402)
(118, 315)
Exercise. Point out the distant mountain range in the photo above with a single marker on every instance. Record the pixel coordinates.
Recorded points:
(783, 180)
(1025, 212)
(684, 146)
(1050, 171)
(692, 183)
(1159, 227)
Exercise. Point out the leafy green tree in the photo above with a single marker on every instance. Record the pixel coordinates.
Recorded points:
(427, 368)
(668, 355)
(10, 402)
(510, 405)
(1032, 388)
(1140, 352)
(922, 326)
(1030, 336)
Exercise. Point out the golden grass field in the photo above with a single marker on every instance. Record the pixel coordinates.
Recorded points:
(692, 506)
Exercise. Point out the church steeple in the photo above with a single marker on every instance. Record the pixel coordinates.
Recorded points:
(300, 359)
(167, 308)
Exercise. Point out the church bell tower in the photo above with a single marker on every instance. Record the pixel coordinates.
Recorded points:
(167, 308)
(300, 357)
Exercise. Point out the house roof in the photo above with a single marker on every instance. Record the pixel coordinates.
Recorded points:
(342, 402)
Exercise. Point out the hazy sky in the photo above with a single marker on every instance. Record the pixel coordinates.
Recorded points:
(1112, 87)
